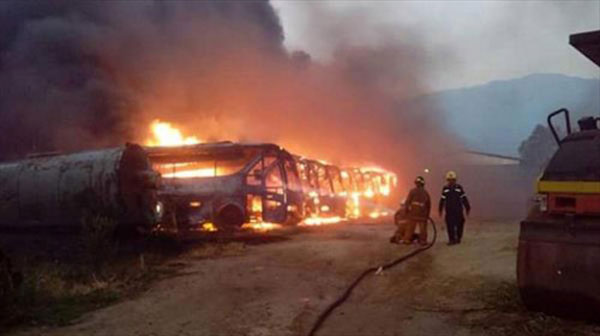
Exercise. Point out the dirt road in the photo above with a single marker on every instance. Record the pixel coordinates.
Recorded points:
(278, 286)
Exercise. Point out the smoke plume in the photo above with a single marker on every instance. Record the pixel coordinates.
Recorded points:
(75, 75)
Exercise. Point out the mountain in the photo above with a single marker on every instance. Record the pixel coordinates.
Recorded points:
(496, 117)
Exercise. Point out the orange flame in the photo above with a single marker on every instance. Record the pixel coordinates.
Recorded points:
(261, 226)
(381, 183)
(208, 227)
(315, 220)
(165, 134)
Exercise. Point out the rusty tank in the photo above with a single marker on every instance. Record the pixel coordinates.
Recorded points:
(49, 191)
(558, 262)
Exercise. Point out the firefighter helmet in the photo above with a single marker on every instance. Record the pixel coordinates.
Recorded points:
(420, 180)
(451, 175)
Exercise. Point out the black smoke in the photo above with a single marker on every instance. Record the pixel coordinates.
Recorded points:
(79, 74)
(72, 72)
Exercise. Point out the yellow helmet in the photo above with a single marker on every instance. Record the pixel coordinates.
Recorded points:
(451, 175)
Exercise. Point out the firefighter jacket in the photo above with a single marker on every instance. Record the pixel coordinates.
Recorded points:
(418, 204)
(453, 201)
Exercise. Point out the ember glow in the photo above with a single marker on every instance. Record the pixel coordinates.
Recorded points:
(165, 134)
(354, 205)
(209, 227)
(261, 226)
(316, 221)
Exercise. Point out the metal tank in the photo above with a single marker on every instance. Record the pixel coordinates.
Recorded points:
(56, 191)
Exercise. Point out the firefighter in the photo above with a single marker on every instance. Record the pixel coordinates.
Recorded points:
(400, 219)
(417, 208)
(455, 203)
(400, 222)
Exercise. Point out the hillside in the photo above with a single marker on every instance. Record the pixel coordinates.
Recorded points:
(497, 116)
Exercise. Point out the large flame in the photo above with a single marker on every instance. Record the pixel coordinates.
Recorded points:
(165, 134)
(380, 183)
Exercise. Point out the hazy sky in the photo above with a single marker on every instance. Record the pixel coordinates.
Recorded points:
(467, 42)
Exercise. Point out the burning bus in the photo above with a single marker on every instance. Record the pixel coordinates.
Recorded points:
(332, 193)
(224, 185)
(177, 184)
(324, 195)
(354, 184)
(338, 193)
(221, 186)
(369, 191)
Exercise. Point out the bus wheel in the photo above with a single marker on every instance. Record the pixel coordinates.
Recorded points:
(229, 218)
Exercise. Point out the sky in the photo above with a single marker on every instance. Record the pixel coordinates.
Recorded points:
(466, 42)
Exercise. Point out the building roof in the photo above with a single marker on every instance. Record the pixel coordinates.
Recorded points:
(488, 159)
(587, 43)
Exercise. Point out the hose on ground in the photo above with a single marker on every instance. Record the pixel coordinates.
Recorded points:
(355, 283)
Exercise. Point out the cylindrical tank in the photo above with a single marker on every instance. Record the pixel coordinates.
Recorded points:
(58, 190)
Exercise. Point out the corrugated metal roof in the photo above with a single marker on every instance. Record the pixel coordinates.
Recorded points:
(587, 43)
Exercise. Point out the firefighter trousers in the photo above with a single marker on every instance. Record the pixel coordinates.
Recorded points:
(455, 227)
(410, 230)
(399, 234)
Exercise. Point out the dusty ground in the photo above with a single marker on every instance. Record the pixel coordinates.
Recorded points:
(278, 286)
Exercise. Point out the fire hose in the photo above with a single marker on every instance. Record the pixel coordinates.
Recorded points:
(368, 271)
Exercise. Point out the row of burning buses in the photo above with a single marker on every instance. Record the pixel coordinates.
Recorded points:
(225, 186)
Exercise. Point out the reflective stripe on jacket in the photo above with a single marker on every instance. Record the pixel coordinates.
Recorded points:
(454, 200)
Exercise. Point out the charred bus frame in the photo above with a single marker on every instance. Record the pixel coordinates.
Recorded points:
(324, 194)
(227, 184)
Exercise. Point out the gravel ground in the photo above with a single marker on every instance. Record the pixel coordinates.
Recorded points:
(277, 285)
